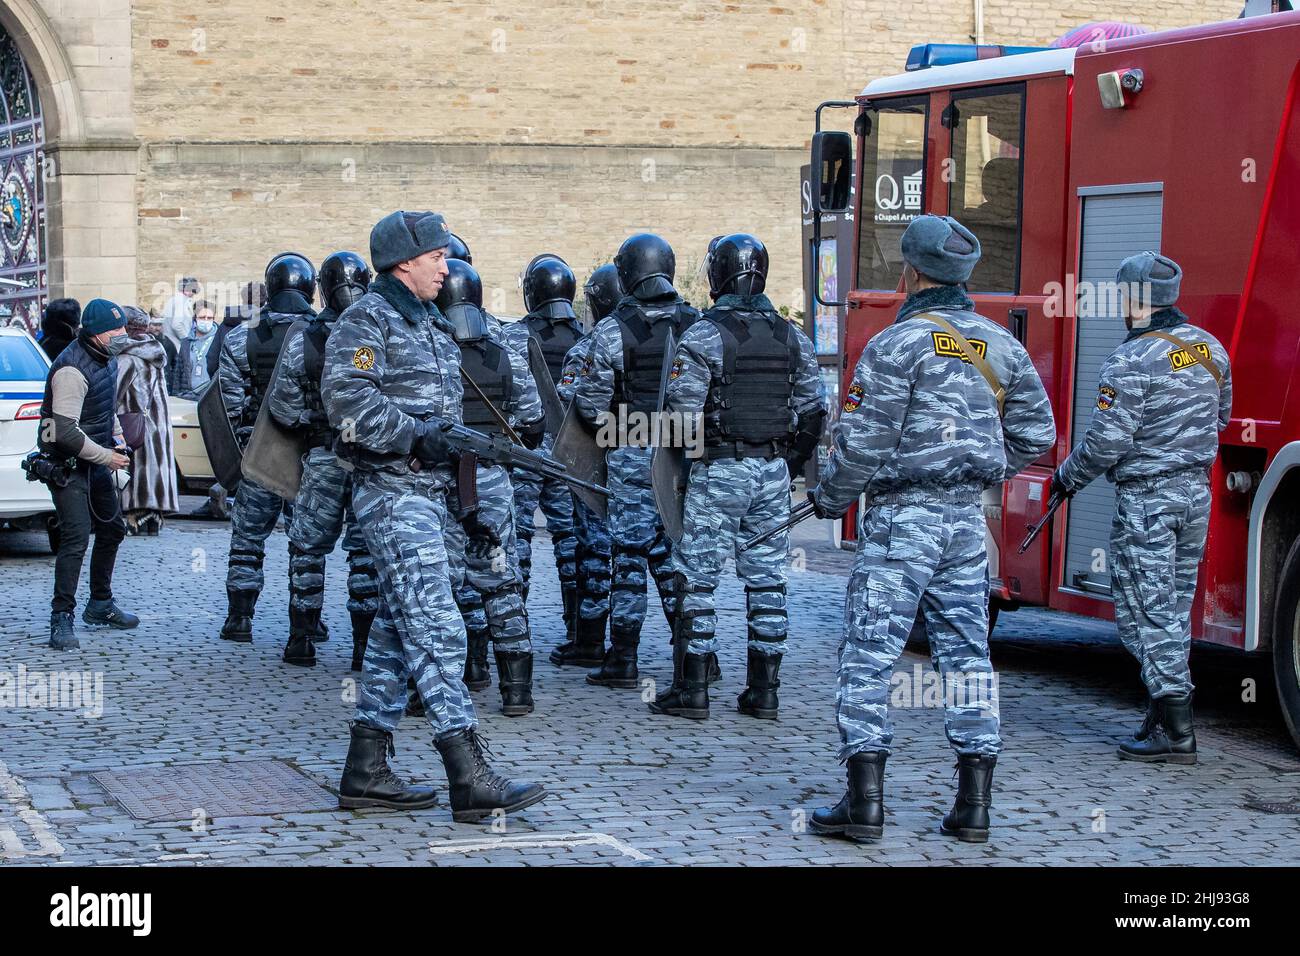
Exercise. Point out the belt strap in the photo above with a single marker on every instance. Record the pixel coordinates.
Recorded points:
(1187, 347)
(968, 350)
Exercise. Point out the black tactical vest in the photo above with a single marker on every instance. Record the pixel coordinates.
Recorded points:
(749, 409)
(313, 366)
(645, 327)
(264, 343)
(556, 337)
(488, 365)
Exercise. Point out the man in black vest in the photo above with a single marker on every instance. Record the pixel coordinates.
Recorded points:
(80, 436)
(481, 547)
(323, 506)
(620, 378)
(248, 357)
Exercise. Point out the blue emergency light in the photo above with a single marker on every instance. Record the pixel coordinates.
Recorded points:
(945, 54)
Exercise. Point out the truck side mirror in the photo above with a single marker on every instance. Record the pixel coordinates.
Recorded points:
(832, 170)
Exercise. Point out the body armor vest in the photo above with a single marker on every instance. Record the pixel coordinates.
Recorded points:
(313, 366)
(263, 349)
(645, 329)
(556, 337)
(749, 411)
(488, 365)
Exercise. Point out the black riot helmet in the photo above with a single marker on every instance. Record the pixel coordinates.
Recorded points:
(603, 290)
(549, 287)
(456, 249)
(344, 278)
(646, 266)
(737, 265)
(290, 272)
(461, 300)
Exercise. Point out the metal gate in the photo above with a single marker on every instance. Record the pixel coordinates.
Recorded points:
(1118, 221)
(23, 283)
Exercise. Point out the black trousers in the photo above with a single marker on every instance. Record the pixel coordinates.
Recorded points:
(88, 503)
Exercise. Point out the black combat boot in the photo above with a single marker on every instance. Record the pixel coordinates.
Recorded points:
(689, 694)
(618, 666)
(368, 781)
(476, 789)
(860, 814)
(515, 681)
(62, 635)
(321, 632)
(301, 650)
(477, 676)
(758, 699)
(1168, 738)
(587, 649)
(361, 622)
(563, 652)
(968, 819)
(239, 619)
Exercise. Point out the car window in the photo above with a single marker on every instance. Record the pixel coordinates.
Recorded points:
(20, 360)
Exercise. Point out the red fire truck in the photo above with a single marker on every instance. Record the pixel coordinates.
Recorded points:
(1064, 162)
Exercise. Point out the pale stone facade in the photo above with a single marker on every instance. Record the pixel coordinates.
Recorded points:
(201, 138)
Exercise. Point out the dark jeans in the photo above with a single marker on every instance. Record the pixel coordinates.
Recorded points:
(88, 503)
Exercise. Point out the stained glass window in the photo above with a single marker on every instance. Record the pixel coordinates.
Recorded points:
(23, 281)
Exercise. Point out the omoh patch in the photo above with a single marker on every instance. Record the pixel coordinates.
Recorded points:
(364, 358)
(854, 398)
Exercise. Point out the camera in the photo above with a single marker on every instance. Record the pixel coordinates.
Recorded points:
(55, 472)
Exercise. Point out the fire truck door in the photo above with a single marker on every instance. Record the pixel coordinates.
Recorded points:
(1117, 222)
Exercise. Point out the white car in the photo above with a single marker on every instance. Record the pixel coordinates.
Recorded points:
(24, 504)
(193, 471)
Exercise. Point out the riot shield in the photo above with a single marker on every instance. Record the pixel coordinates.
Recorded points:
(273, 457)
(576, 449)
(551, 403)
(219, 437)
(668, 466)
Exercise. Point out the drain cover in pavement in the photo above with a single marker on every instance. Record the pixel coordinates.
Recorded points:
(240, 789)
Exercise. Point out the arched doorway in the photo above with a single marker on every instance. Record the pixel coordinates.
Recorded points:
(23, 279)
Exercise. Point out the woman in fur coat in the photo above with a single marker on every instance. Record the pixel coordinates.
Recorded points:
(142, 392)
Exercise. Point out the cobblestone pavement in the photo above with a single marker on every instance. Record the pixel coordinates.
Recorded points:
(627, 788)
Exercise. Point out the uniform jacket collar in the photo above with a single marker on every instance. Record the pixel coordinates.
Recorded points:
(1160, 319)
(935, 297)
(744, 303)
(400, 298)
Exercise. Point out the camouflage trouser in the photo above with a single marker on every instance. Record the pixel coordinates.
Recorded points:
(557, 506)
(639, 543)
(918, 549)
(252, 519)
(725, 499)
(489, 589)
(418, 632)
(324, 510)
(1156, 541)
(593, 558)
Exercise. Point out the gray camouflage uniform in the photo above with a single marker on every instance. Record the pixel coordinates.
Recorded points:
(389, 361)
(1155, 434)
(919, 433)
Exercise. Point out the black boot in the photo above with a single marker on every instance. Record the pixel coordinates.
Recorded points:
(618, 666)
(239, 619)
(107, 612)
(361, 622)
(368, 781)
(968, 819)
(587, 649)
(515, 681)
(476, 676)
(689, 695)
(758, 699)
(476, 789)
(715, 672)
(301, 650)
(1169, 737)
(321, 633)
(563, 651)
(62, 635)
(860, 814)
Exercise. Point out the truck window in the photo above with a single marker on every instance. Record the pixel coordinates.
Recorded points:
(893, 188)
(984, 193)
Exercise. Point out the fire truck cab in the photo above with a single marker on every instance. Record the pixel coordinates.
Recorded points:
(1064, 162)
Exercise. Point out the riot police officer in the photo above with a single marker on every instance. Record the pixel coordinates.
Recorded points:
(753, 377)
(392, 376)
(593, 552)
(549, 287)
(248, 357)
(323, 506)
(943, 404)
(1163, 397)
(623, 368)
(487, 581)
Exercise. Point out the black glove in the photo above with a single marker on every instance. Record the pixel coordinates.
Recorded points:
(431, 446)
(1058, 486)
(818, 510)
(533, 434)
(482, 539)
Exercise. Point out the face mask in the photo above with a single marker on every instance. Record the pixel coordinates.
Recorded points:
(116, 343)
(204, 326)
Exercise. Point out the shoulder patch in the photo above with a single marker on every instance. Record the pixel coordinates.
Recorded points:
(854, 398)
(364, 358)
(946, 345)
(676, 371)
(1105, 397)
(568, 378)
(1180, 359)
